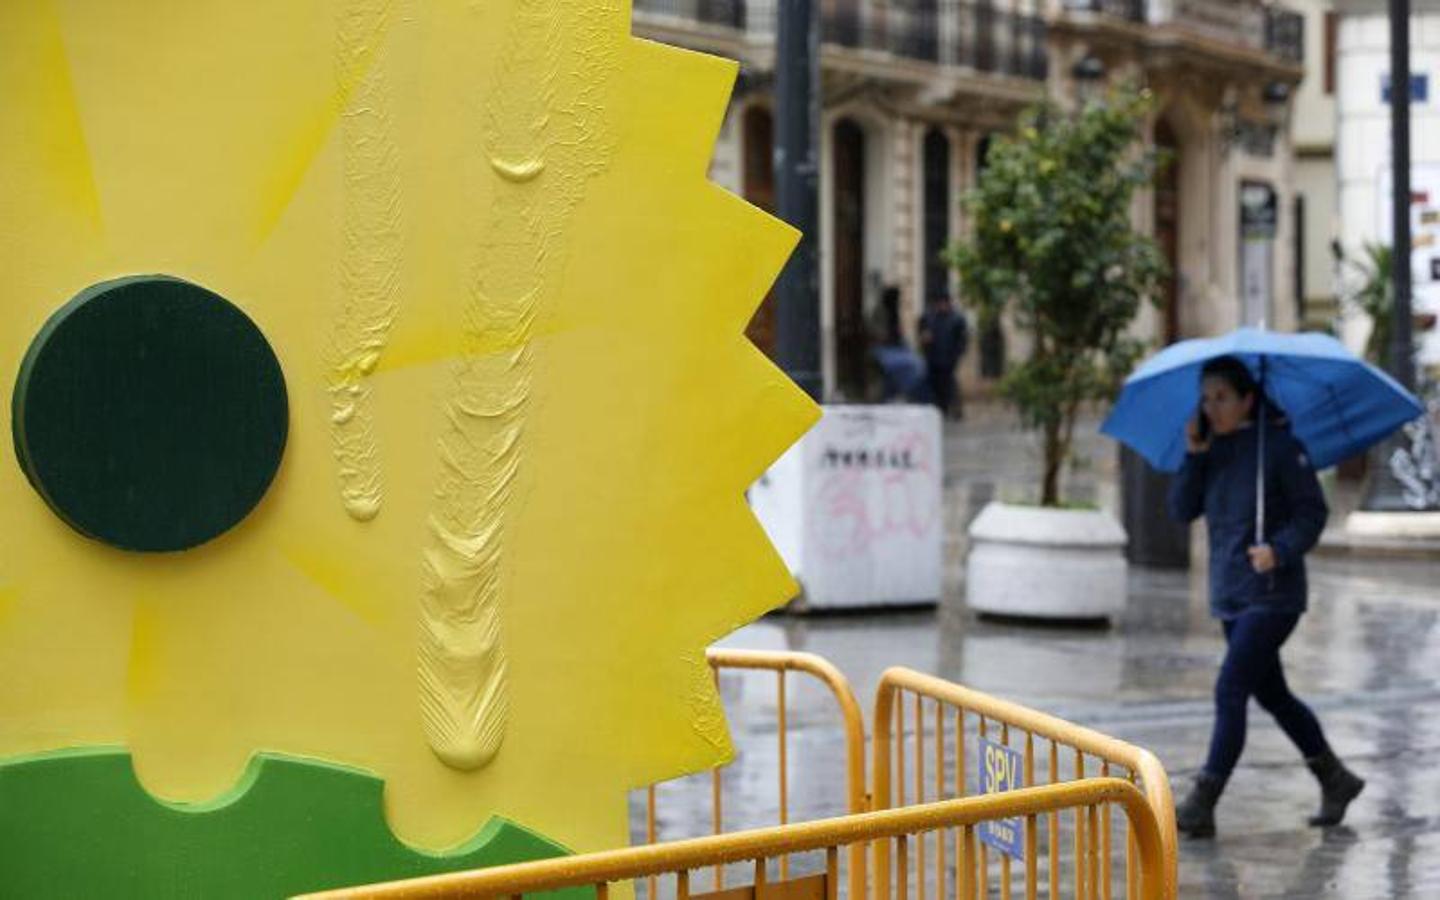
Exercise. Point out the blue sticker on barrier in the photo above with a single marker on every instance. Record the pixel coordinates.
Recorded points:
(1002, 769)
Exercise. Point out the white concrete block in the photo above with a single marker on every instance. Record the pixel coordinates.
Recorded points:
(854, 508)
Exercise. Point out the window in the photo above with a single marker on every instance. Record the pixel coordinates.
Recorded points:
(1332, 27)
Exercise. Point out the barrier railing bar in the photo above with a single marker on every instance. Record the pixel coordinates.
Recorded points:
(939, 795)
(962, 858)
(657, 859)
(1092, 828)
(1132, 887)
(650, 834)
(716, 797)
(1054, 825)
(1005, 857)
(1032, 865)
(1106, 875)
(858, 799)
(784, 768)
(984, 853)
(902, 859)
(968, 891)
(920, 793)
(1080, 870)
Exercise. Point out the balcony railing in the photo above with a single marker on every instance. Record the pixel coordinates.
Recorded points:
(1285, 34)
(730, 13)
(969, 33)
(1128, 10)
(978, 34)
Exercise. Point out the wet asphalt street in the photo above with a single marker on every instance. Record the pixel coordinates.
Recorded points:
(1366, 657)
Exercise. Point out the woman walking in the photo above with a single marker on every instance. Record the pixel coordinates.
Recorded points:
(1257, 582)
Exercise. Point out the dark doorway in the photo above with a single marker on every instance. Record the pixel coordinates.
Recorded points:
(992, 335)
(1167, 228)
(1155, 538)
(848, 139)
(840, 22)
(1300, 311)
(758, 147)
(937, 212)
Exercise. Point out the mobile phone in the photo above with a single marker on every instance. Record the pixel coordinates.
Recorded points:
(1202, 424)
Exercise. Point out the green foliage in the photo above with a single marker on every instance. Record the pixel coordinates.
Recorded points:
(1375, 297)
(1053, 245)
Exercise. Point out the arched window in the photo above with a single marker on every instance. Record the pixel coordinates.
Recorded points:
(848, 259)
(936, 206)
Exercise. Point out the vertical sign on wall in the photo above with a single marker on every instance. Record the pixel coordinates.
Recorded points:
(1424, 247)
(1258, 222)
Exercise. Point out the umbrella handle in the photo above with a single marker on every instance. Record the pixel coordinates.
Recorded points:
(1260, 469)
(1260, 458)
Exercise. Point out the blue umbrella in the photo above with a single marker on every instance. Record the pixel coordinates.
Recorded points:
(1337, 403)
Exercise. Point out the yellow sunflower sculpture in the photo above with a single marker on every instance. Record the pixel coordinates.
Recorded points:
(381, 420)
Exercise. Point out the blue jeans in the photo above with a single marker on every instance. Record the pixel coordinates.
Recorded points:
(1252, 669)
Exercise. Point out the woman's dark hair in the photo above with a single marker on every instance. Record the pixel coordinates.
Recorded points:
(1236, 374)
(1233, 372)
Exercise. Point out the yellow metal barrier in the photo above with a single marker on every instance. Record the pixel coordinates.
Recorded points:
(900, 826)
(1092, 830)
(781, 663)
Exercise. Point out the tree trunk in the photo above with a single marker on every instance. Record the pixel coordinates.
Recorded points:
(1054, 458)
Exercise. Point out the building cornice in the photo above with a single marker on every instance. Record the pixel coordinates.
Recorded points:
(1178, 43)
(1314, 151)
(1381, 7)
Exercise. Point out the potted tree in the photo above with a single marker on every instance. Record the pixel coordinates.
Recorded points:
(1053, 249)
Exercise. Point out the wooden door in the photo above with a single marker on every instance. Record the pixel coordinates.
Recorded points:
(758, 147)
(936, 204)
(1167, 229)
(848, 142)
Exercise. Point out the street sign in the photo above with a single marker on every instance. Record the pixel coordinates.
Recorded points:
(1419, 87)
(1002, 769)
(1424, 247)
(1259, 225)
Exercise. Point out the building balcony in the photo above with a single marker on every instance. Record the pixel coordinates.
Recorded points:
(1285, 34)
(721, 13)
(1246, 27)
(964, 34)
(1123, 10)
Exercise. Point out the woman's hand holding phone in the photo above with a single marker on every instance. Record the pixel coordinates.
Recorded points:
(1197, 438)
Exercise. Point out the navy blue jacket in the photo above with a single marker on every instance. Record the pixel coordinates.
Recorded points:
(1220, 484)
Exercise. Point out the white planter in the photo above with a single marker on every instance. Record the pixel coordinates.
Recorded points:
(1042, 563)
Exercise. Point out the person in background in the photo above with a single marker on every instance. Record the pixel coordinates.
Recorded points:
(944, 334)
(1257, 582)
(902, 371)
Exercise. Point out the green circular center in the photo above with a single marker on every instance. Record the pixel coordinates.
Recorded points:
(150, 414)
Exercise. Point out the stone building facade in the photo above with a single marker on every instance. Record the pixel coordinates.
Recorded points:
(912, 92)
(1362, 157)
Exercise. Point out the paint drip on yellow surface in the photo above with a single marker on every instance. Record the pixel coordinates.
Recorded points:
(509, 309)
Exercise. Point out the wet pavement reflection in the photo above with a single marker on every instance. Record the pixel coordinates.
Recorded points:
(1366, 657)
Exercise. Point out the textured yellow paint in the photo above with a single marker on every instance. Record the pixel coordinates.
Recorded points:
(143, 678)
(628, 546)
(43, 104)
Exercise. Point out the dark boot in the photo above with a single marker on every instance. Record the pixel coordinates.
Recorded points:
(1338, 786)
(1195, 816)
